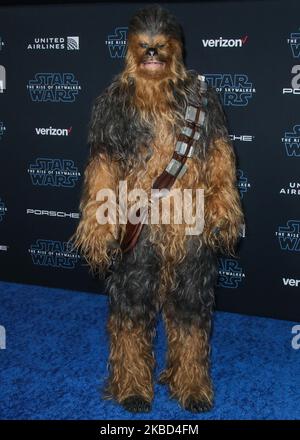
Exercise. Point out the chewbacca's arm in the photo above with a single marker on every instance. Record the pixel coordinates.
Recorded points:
(94, 240)
(222, 206)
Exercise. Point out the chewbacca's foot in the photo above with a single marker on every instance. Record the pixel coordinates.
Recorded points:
(136, 404)
(196, 405)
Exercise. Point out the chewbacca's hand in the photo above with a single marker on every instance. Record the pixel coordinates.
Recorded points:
(113, 249)
(114, 252)
(223, 236)
(113, 244)
(97, 243)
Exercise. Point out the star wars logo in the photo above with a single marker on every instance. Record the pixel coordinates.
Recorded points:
(117, 42)
(230, 273)
(235, 90)
(294, 42)
(52, 253)
(291, 142)
(53, 172)
(3, 210)
(53, 87)
(289, 236)
(2, 129)
(243, 184)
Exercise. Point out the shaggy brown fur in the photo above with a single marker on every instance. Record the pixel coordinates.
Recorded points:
(131, 357)
(222, 202)
(91, 237)
(187, 372)
(131, 360)
(216, 176)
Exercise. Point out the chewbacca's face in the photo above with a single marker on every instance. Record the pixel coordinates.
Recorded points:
(153, 56)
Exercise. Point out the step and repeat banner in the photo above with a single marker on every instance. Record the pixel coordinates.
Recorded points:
(54, 60)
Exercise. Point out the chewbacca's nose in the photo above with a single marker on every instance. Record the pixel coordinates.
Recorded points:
(151, 51)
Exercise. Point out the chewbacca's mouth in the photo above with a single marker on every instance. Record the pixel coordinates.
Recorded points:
(153, 65)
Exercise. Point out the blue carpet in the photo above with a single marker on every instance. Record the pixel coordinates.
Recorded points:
(55, 362)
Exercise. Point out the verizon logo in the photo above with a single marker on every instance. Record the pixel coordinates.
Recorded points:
(225, 42)
(50, 131)
(291, 282)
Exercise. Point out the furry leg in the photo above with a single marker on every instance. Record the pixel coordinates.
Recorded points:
(131, 362)
(187, 315)
(131, 325)
(187, 372)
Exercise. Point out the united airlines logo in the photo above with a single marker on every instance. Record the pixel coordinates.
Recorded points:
(51, 131)
(289, 236)
(52, 253)
(2, 129)
(291, 141)
(54, 172)
(117, 42)
(225, 42)
(243, 184)
(2, 79)
(292, 189)
(230, 273)
(53, 43)
(72, 43)
(294, 43)
(3, 210)
(234, 89)
(53, 87)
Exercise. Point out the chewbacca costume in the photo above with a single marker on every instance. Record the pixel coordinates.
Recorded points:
(153, 113)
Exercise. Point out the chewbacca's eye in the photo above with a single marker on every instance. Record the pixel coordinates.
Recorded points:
(160, 46)
(144, 45)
